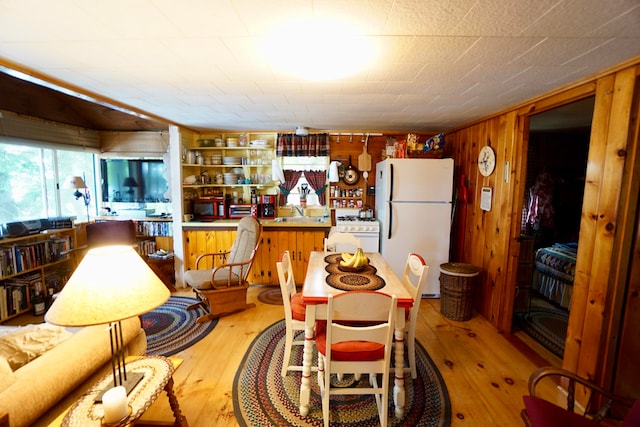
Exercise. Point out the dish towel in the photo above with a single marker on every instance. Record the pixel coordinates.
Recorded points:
(333, 171)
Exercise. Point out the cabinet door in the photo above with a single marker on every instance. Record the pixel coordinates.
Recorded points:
(307, 242)
(264, 271)
(203, 242)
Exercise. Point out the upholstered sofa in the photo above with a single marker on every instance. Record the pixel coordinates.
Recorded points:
(39, 391)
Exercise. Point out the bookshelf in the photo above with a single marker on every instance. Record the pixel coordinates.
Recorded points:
(33, 268)
(154, 234)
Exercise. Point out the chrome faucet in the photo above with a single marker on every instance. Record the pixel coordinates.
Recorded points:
(297, 208)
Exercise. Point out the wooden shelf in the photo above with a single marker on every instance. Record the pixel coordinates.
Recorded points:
(27, 266)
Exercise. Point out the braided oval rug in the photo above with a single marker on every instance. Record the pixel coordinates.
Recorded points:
(261, 397)
(171, 328)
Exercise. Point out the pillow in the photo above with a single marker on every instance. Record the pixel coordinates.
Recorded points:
(23, 344)
(6, 374)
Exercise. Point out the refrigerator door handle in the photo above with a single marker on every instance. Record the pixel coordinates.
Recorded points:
(390, 219)
(391, 182)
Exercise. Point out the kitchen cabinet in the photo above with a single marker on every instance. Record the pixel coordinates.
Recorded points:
(198, 242)
(299, 242)
(221, 167)
(33, 268)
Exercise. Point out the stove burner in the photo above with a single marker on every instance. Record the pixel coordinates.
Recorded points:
(351, 218)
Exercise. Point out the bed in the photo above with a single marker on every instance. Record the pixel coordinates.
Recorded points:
(555, 268)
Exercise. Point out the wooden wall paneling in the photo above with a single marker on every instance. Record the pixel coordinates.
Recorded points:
(517, 178)
(469, 165)
(509, 219)
(620, 361)
(600, 285)
(588, 223)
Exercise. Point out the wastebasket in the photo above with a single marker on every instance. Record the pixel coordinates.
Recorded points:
(457, 282)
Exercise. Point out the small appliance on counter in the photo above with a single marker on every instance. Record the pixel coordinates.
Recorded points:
(208, 209)
(268, 206)
(242, 210)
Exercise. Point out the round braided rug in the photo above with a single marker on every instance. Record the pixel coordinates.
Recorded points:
(171, 328)
(261, 397)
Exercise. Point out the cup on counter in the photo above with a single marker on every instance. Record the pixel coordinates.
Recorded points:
(187, 217)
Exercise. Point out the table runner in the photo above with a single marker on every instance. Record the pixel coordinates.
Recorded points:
(367, 279)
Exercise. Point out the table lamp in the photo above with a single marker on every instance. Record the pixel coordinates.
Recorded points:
(111, 283)
(131, 183)
(77, 182)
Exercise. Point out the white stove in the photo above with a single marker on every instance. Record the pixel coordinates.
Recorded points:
(365, 229)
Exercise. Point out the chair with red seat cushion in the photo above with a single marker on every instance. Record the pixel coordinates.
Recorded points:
(539, 412)
(294, 310)
(362, 346)
(413, 279)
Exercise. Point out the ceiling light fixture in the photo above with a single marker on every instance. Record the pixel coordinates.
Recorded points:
(318, 49)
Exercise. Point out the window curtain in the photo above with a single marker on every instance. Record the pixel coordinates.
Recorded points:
(290, 179)
(312, 145)
(318, 181)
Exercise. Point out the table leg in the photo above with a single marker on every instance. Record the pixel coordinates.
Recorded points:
(181, 420)
(398, 387)
(307, 357)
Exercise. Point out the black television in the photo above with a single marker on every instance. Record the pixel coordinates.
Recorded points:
(133, 180)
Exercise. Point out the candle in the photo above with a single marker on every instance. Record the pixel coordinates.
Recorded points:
(114, 403)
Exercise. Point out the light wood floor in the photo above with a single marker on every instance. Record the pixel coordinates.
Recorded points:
(485, 374)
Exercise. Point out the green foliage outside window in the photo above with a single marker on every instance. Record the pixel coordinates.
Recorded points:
(29, 179)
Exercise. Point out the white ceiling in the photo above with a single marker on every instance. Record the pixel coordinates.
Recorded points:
(439, 64)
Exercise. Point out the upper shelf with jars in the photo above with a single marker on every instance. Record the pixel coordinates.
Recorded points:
(215, 162)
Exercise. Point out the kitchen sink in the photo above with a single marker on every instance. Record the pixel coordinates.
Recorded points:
(301, 219)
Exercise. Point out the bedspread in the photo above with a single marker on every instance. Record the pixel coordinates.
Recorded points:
(555, 271)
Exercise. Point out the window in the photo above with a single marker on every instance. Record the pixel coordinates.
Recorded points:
(30, 176)
(304, 164)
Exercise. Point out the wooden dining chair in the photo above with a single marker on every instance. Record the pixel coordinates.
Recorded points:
(294, 310)
(341, 238)
(413, 279)
(363, 346)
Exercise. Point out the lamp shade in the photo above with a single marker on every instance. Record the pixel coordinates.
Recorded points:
(129, 182)
(111, 283)
(74, 182)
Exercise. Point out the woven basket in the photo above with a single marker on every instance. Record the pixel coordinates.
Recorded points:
(457, 283)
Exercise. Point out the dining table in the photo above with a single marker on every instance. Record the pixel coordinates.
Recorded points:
(324, 277)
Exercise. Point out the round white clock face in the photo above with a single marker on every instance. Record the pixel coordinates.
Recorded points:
(486, 161)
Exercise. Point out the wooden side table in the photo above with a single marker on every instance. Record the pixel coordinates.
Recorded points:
(165, 269)
(158, 372)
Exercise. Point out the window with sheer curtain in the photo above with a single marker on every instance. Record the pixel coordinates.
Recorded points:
(31, 177)
(310, 171)
(304, 160)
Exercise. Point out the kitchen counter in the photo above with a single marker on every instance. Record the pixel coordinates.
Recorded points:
(280, 222)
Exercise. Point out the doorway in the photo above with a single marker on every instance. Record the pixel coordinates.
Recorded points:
(550, 225)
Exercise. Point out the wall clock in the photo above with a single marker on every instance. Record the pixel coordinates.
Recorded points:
(486, 160)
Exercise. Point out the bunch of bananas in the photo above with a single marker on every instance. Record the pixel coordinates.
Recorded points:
(357, 260)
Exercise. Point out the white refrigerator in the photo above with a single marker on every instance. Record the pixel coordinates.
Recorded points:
(413, 205)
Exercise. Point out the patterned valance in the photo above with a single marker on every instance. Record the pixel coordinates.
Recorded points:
(312, 145)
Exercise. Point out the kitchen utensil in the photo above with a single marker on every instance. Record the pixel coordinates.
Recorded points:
(351, 174)
(364, 159)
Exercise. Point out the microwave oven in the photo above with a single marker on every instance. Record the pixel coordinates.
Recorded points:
(208, 209)
(240, 211)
